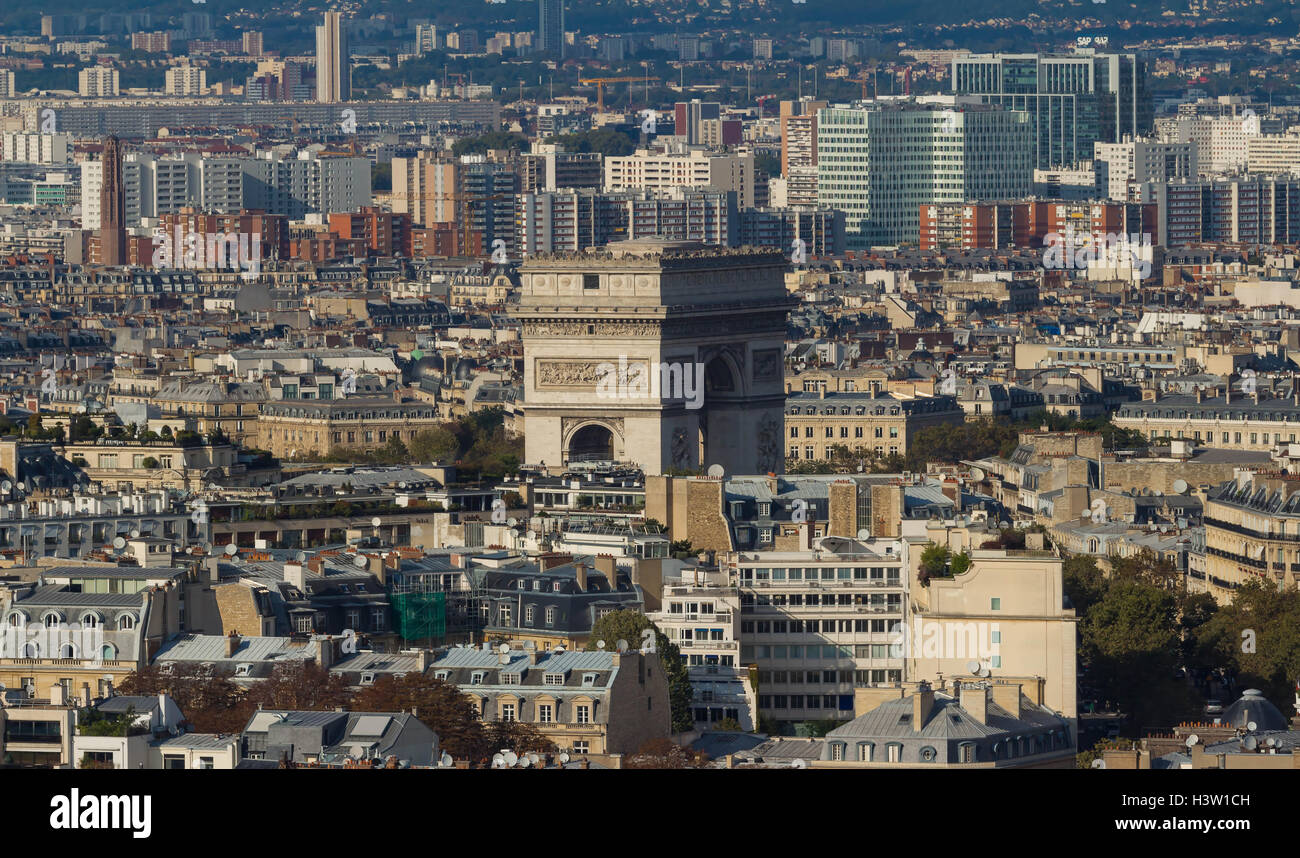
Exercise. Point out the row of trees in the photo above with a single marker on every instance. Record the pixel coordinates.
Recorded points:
(1146, 645)
(213, 703)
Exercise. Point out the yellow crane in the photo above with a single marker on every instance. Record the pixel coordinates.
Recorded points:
(601, 81)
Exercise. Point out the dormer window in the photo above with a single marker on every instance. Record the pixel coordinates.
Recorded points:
(368, 678)
(476, 678)
(553, 679)
(510, 679)
(244, 670)
(442, 674)
(588, 680)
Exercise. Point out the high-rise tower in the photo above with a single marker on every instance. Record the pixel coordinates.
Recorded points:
(333, 74)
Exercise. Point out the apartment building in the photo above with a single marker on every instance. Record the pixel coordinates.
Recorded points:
(683, 167)
(818, 624)
(1227, 419)
(881, 162)
(1273, 154)
(1118, 165)
(863, 423)
(186, 80)
(1252, 531)
(700, 614)
(594, 704)
(98, 82)
(1031, 223)
(1073, 100)
(31, 148)
(320, 427)
(1248, 210)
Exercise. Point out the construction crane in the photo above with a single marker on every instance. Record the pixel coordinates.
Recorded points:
(601, 81)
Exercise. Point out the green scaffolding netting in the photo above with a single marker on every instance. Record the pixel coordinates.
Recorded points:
(420, 616)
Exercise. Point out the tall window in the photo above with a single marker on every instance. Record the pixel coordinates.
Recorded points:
(545, 713)
(582, 714)
(507, 711)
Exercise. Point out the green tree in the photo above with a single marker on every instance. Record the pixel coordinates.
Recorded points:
(1256, 639)
(438, 704)
(629, 625)
(960, 563)
(1130, 643)
(934, 562)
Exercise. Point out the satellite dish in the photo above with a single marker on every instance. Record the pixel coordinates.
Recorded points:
(524, 762)
(511, 522)
(621, 646)
(207, 547)
(564, 757)
(864, 534)
(498, 761)
(1180, 486)
(511, 758)
(1252, 726)
(600, 644)
(534, 759)
(6, 486)
(119, 543)
(977, 474)
(232, 550)
(135, 533)
(983, 671)
(504, 649)
(1192, 740)
(799, 764)
(717, 471)
(1271, 742)
(1098, 764)
(1250, 744)
(973, 667)
(359, 561)
(301, 556)
(401, 485)
(446, 761)
(376, 521)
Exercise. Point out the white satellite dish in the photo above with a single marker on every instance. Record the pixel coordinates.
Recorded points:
(135, 533)
(1180, 486)
(232, 550)
(6, 486)
(511, 758)
(564, 757)
(1252, 726)
(301, 556)
(1250, 744)
(1098, 764)
(799, 764)
(621, 646)
(524, 762)
(717, 471)
(1192, 740)
(504, 649)
(977, 474)
(498, 761)
(359, 561)
(534, 759)
(119, 543)
(446, 761)
(207, 547)
(600, 644)
(973, 667)
(511, 522)
(376, 521)
(864, 534)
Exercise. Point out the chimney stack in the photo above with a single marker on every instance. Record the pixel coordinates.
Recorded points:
(974, 698)
(295, 575)
(232, 643)
(580, 571)
(922, 706)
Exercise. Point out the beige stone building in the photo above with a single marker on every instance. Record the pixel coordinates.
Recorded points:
(862, 424)
(603, 705)
(1011, 605)
(660, 353)
(1252, 530)
(297, 428)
